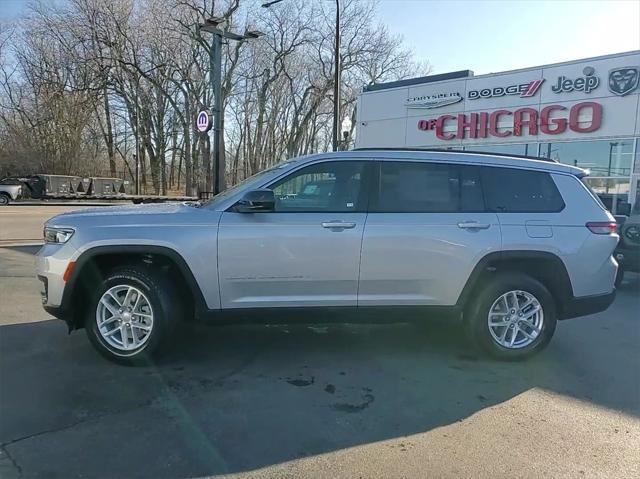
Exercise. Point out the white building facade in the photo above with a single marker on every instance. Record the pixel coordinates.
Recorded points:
(583, 112)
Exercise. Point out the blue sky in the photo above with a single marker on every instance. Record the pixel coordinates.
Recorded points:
(10, 8)
(492, 36)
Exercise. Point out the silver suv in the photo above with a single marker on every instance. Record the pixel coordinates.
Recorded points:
(508, 245)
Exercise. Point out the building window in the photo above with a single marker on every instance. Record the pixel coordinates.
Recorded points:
(605, 158)
(529, 149)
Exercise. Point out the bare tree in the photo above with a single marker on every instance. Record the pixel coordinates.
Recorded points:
(94, 78)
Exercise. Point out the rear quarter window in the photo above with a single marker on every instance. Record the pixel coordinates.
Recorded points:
(593, 194)
(511, 190)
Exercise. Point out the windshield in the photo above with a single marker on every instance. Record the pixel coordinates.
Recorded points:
(234, 189)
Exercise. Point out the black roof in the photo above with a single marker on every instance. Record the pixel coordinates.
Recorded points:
(469, 152)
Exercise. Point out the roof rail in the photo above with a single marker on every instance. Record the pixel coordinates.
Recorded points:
(470, 152)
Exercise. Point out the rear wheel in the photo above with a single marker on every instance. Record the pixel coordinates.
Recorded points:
(513, 317)
(131, 316)
(4, 199)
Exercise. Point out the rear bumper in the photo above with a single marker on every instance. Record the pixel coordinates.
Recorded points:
(583, 306)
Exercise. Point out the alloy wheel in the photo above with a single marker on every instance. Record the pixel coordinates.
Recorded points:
(515, 319)
(124, 317)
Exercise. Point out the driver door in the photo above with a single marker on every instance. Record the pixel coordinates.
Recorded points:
(307, 251)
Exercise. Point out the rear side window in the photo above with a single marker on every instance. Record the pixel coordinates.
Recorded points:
(509, 190)
(420, 187)
(591, 192)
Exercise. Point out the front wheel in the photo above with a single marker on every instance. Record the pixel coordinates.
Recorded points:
(513, 317)
(4, 199)
(131, 316)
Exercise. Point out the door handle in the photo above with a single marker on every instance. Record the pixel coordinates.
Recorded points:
(473, 225)
(338, 224)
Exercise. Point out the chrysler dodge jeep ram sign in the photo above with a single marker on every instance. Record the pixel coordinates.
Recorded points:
(623, 80)
(524, 90)
(586, 83)
(583, 100)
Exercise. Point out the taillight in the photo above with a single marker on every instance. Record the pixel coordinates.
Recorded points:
(602, 227)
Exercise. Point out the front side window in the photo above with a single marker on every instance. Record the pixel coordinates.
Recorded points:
(509, 190)
(421, 187)
(335, 186)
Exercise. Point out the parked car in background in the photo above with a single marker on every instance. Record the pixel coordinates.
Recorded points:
(10, 190)
(508, 245)
(628, 251)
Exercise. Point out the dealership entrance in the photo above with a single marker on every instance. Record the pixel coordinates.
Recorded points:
(584, 113)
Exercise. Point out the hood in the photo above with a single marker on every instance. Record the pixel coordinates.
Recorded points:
(119, 214)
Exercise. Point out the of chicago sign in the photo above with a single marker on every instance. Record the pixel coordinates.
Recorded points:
(551, 120)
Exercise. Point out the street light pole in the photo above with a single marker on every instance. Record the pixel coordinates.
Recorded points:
(217, 156)
(612, 144)
(215, 77)
(137, 136)
(337, 78)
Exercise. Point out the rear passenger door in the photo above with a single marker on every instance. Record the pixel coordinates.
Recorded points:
(529, 207)
(425, 231)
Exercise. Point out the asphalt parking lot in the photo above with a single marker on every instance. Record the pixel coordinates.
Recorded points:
(315, 401)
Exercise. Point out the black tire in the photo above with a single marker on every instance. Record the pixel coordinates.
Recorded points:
(619, 276)
(5, 199)
(477, 314)
(166, 313)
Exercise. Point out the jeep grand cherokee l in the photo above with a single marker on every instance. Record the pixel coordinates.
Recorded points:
(508, 245)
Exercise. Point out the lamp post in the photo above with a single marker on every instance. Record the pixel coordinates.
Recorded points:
(337, 75)
(215, 62)
(137, 136)
(612, 145)
(337, 79)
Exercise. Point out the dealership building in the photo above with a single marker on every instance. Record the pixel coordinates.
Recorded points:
(584, 113)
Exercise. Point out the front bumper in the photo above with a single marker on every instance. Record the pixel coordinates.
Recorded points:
(585, 305)
(51, 263)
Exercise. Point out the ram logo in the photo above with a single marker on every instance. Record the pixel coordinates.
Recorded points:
(623, 80)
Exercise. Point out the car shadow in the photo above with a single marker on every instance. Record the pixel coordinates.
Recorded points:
(236, 398)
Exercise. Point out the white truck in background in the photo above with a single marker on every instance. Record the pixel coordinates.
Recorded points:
(10, 190)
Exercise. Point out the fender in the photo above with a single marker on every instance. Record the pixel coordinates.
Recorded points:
(89, 254)
(491, 263)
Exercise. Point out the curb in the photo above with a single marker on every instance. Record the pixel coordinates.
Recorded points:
(19, 243)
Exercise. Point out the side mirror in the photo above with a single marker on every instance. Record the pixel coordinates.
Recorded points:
(256, 201)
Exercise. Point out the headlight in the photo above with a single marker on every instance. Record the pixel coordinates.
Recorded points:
(57, 235)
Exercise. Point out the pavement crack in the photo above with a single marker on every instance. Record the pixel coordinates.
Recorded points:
(12, 460)
(4, 445)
